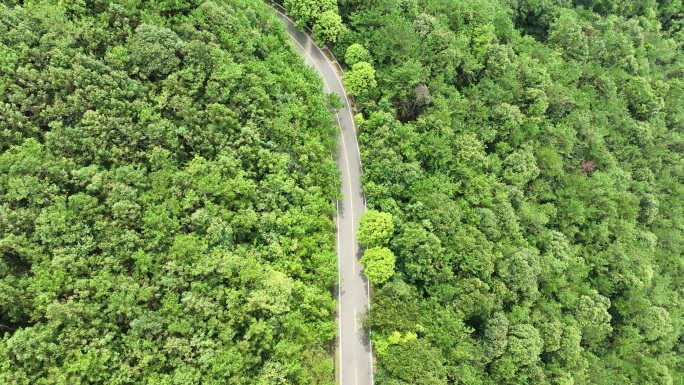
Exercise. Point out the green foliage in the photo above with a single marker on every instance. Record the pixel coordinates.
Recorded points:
(375, 229)
(530, 155)
(643, 100)
(378, 264)
(165, 197)
(398, 305)
(566, 33)
(524, 345)
(361, 79)
(519, 168)
(334, 102)
(165, 189)
(153, 50)
(321, 15)
(592, 315)
(413, 362)
(496, 336)
(307, 11)
(356, 53)
(328, 27)
(381, 344)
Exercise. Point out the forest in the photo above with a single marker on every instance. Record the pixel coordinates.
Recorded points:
(523, 160)
(166, 197)
(167, 191)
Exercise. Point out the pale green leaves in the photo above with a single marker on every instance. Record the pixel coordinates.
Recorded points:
(361, 79)
(495, 336)
(375, 229)
(524, 344)
(328, 27)
(644, 100)
(356, 53)
(566, 35)
(378, 264)
(381, 344)
(520, 167)
(520, 271)
(592, 314)
(322, 16)
(272, 294)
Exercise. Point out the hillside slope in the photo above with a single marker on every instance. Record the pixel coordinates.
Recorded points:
(166, 192)
(529, 156)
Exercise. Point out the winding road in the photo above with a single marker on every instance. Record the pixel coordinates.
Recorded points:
(354, 349)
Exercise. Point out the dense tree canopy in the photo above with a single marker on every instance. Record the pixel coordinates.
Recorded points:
(530, 156)
(321, 16)
(166, 192)
(166, 188)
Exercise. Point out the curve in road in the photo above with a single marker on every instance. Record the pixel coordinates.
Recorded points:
(355, 353)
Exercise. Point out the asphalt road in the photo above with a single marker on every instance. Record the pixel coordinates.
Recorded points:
(355, 358)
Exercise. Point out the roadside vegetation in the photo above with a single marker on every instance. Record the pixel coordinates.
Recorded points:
(166, 191)
(166, 197)
(529, 155)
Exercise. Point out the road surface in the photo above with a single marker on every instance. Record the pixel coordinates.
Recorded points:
(355, 359)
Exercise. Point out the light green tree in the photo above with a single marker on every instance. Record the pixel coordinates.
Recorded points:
(520, 272)
(356, 53)
(498, 59)
(644, 101)
(565, 34)
(328, 27)
(592, 315)
(415, 362)
(153, 50)
(378, 264)
(308, 11)
(655, 323)
(361, 79)
(375, 228)
(520, 167)
(524, 344)
(496, 336)
(321, 15)
(334, 102)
